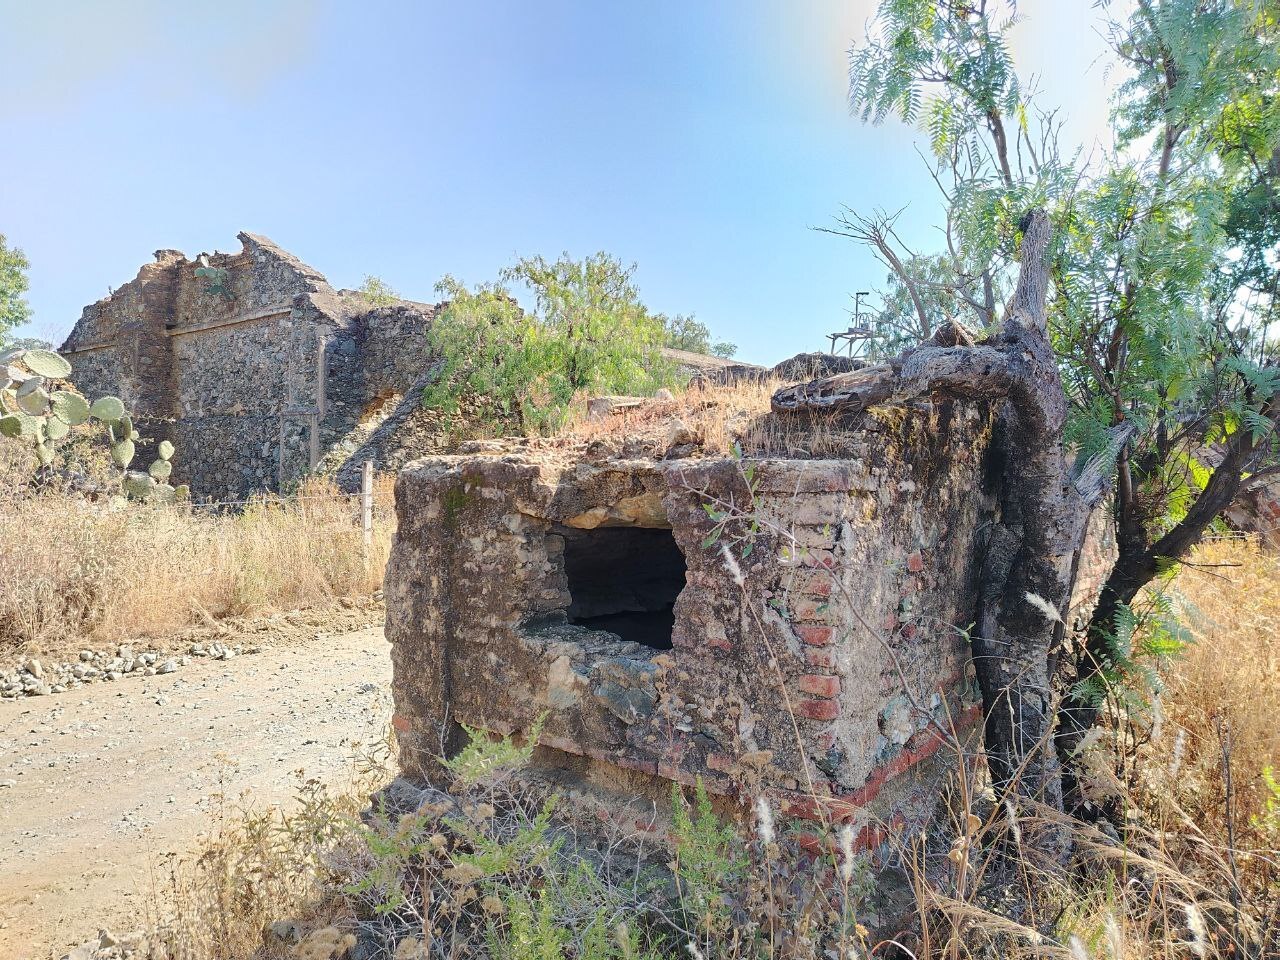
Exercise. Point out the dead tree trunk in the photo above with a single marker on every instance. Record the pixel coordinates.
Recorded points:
(1029, 569)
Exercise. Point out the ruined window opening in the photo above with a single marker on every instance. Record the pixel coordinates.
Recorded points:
(624, 580)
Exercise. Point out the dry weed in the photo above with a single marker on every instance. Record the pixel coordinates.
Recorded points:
(76, 570)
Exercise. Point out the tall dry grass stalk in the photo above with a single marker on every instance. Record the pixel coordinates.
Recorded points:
(1228, 682)
(76, 570)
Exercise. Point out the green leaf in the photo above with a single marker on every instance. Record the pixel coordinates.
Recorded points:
(165, 450)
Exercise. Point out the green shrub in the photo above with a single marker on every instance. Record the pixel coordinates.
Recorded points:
(507, 369)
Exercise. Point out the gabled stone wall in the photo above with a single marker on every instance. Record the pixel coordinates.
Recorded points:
(255, 379)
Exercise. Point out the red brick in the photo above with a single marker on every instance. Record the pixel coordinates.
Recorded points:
(818, 709)
(815, 636)
(809, 609)
(820, 659)
(819, 686)
(915, 562)
(815, 585)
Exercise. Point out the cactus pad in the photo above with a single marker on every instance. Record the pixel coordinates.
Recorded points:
(122, 453)
(56, 428)
(18, 424)
(140, 486)
(34, 402)
(71, 408)
(165, 450)
(46, 363)
(107, 409)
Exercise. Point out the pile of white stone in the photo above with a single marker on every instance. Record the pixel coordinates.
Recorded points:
(33, 678)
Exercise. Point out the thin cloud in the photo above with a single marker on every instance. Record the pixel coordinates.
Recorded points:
(54, 56)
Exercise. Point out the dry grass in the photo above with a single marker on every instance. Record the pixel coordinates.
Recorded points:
(1180, 879)
(720, 416)
(1227, 683)
(76, 570)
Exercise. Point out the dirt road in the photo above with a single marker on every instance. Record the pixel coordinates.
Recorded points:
(98, 782)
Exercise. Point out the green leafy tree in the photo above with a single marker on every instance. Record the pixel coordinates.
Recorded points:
(507, 368)
(14, 309)
(1152, 277)
(689, 333)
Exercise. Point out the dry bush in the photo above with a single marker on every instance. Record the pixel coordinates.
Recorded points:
(258, 866)
(1193, 868)
(82, 570)
(1225, 684)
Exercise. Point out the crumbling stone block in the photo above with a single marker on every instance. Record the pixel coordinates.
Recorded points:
(780, 623)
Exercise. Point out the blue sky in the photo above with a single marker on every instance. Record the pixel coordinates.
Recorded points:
(701, 139)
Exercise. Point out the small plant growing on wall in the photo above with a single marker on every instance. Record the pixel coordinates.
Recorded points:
(378, 292)
(38, 407)
(217, 277)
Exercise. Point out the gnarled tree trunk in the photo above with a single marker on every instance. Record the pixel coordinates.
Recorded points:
(1030, 566)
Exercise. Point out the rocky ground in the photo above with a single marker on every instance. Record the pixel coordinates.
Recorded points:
(102, 779)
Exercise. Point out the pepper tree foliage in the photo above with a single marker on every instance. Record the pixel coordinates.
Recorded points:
(505, 368)
(689, 333)
(14, 309)
(1164, 262)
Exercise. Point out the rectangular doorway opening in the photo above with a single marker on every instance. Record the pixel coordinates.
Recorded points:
(624, 580)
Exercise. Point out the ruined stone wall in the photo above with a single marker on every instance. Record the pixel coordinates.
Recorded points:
(816, 658)
(254, 378)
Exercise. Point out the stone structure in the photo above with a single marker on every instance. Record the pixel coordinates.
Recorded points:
(818, 658)
(256, 369)
(260, 372)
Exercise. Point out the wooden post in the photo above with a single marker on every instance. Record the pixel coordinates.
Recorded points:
(366, 505)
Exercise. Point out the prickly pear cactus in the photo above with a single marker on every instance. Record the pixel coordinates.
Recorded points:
(38, 408)
(217, 277)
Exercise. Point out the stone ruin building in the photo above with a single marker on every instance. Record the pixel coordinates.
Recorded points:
(818, 659)
(254, 367)
(260, 372)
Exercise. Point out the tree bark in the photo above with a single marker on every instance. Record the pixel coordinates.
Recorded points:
(1031, 557)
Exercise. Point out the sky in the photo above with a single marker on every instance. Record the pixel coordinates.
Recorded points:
(702, 140)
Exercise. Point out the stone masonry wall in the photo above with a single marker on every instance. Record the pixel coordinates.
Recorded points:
(254, 380)
(845, 628)
(818, 652)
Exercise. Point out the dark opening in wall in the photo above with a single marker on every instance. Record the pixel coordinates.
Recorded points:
(624, 580)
